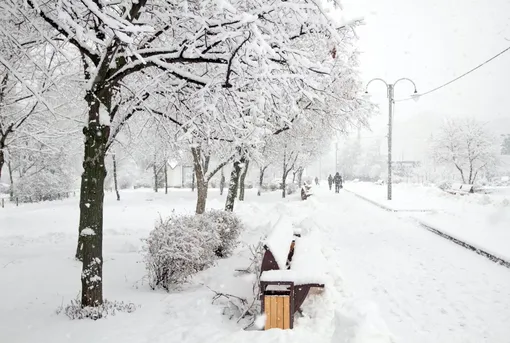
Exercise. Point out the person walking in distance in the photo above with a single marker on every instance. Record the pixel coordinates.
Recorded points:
(338, 182)
(330, 181)
(316, 181)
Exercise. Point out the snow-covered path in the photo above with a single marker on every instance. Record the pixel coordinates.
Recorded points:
(427, 288)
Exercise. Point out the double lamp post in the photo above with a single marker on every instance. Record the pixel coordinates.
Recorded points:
(391, 100)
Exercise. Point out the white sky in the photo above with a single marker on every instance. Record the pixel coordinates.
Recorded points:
(431, 42)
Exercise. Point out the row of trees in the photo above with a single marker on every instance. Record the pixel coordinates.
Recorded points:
(234, 82)
(462, 148)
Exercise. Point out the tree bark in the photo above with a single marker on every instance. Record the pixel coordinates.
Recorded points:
(90, 241)
(261, 179)
(201, 196)
(166, 177)
(115, 183)
(300, 177)
(2, 161)
(284, 185)
(222, 182)
(201, 182)
(11, 179)
(155, 171)
(461, 172)
(233, 185)
(193, 180)
(284, 175)
(242, 179)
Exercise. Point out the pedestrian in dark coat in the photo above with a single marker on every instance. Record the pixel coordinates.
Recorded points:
(316, 180)
(338, 182)
(330, 181)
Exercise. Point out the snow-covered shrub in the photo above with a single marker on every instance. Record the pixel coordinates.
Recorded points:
(291, 188)
(444, 185)
(227, 226)
(76, 311)
(48, 184)
(177, 248)
(273, 186)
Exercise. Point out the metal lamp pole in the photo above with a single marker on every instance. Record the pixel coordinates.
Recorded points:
(391, 101)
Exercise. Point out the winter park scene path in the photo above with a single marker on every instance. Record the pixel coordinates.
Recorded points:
(427, 288)
(392, 280)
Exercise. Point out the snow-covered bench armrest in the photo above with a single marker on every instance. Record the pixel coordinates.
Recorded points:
(309, 260)
(279, 241)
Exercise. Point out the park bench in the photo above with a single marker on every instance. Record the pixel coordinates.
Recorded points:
(306, 191)
(458, 188)
(292, 265)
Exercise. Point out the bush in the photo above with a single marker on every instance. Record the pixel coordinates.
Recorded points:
(76, 311)
(291, 188)
(177, 248)
(444, 185)
(183, 245)
(274, 186)
(228, 227)
(49, 184)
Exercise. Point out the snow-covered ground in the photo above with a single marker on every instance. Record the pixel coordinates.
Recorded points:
(482, 220)
(38, 275)
(427, 288)
(392, 280)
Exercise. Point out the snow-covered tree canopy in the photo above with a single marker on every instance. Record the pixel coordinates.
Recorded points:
(248, 64)
(467, 145)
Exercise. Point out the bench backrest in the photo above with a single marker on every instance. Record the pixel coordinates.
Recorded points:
(467, 188)
(278, 245)
(456, 186)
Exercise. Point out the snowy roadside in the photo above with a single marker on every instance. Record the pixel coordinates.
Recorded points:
(481, 220)
(38, 275)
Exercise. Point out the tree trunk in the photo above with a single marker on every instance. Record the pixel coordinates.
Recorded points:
(2, 161)
(300, 177)
(11, 179)
(202, 183)
(284, 175)
(461, 173)
(166, 178)
(242, 179)
(155, 171)
(284, 185)
(115, 183)
(90, 241)
(222, 182)
(261, 179)
(193, 180)
(233, 185)
(201, 196)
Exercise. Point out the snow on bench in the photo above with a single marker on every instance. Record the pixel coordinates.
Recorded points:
(307, 270)
(309, 260)
(459, 188)
(278, 244)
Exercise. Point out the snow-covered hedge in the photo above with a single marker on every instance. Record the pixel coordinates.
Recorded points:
(227, 226)
(444, 185)
(46, 185)
(291, 188)
(183, 245)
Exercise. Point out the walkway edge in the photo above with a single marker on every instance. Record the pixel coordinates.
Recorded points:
(479, 251)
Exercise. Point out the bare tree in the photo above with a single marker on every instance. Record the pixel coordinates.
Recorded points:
(468, 146)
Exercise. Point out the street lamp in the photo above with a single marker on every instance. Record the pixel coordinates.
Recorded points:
(391, 100)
